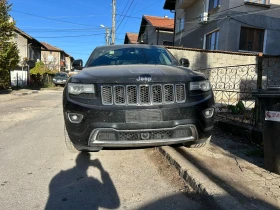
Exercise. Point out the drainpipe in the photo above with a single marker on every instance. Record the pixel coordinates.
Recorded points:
(174, 32)
(157, 35)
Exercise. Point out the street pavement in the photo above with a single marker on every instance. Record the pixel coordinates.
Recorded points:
(38, 172)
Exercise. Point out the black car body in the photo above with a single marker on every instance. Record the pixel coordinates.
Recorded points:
(136, 95)
(60, 78)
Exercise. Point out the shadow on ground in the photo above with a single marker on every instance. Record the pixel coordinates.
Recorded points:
(229, 187)
(73, 189)
(239, 147)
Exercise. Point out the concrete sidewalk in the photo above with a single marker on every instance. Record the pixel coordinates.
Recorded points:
(227, 171)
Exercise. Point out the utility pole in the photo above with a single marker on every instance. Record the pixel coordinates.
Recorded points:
(113, 21)
(107, 36)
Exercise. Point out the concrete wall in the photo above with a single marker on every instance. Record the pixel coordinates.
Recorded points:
(51, 59)
(68, 63)
(200, 59)
(22, 44)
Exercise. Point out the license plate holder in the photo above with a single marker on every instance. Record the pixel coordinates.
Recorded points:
(143, 116)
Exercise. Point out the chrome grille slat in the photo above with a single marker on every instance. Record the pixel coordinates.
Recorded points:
(131, 94)
(119, 95)
(107, 95)
(156, 94)
(144, 94)
(168, 93)
(180, 93)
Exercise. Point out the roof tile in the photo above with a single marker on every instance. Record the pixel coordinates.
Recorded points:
(160, 22)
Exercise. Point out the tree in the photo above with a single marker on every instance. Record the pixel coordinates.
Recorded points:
(9, 53)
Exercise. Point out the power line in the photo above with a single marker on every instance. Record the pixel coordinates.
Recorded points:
(68, 36)
(271, 29)
(125, 14)
(130, 14)
(63, 21)
(123, 9)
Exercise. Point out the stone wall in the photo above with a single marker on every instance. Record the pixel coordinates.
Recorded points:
(203, 59)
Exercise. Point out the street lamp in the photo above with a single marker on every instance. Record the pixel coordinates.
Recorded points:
(107, 34)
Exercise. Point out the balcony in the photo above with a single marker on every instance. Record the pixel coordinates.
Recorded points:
(183, 4)
(264, 3)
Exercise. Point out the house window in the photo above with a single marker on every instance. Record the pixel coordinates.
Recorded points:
(167, 43)
(212, 41)
(180, 25)
(213, 4)
(251, 39)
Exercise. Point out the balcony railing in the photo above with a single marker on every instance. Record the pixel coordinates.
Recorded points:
(258, 2)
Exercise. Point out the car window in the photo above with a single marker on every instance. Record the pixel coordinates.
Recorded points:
(60, 75)
(130, 56)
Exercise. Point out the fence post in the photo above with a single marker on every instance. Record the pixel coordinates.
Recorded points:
(260, 71)
(259, 87)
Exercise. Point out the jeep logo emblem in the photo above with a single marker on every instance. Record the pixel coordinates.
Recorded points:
(144, 78)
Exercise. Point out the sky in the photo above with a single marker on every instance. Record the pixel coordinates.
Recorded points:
(74, 25)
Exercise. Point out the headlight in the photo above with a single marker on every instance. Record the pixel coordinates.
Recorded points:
(54, 79)
(201, 85)
(64, 80)
(76, 89)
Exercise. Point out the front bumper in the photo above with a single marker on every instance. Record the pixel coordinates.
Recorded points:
(96, 118)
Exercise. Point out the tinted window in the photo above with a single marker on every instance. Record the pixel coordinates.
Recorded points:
(60, 75)
(130, 56)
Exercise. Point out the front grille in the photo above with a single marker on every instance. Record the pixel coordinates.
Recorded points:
(138, 135)
(143, 94)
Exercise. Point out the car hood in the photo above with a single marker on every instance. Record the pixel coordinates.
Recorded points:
(131, 74)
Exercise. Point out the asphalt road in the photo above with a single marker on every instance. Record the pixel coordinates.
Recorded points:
(38, 172)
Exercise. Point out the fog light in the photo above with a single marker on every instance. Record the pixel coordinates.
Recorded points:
(75, 118)
(208, 113)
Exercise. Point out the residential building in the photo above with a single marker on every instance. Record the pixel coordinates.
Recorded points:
(231, 25)
(29, 53)
(56, 59)
(156, 30)
(130, 38)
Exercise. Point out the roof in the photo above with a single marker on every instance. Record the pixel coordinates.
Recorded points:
(50, 47)
(27, 36)
(131, 37)
(160, 22)
(169, 4)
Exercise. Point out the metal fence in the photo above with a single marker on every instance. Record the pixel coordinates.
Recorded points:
(232, 87)
(270, 72)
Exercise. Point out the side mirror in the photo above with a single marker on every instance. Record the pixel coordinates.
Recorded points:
(77, 64)
(185, 62)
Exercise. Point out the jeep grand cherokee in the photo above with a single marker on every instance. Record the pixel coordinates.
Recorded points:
(134, 96)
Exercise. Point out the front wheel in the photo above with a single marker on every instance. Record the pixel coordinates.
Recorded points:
(69, 145)
(200, 143)
(74, 149)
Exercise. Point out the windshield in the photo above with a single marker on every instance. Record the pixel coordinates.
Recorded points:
(130, 56)
(60, 75)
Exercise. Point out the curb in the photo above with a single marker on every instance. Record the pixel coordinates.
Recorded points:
(26, 93)
(201, 184)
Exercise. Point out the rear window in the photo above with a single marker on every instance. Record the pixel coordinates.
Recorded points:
(60, 75)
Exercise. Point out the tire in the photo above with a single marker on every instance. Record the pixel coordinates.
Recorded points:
(69, 145)
(199, 145)
(73, 149)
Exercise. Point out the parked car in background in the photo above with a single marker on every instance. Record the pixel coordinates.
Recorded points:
(136, 95)
(60, 78)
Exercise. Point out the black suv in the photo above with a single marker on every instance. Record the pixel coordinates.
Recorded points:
(136, 95)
